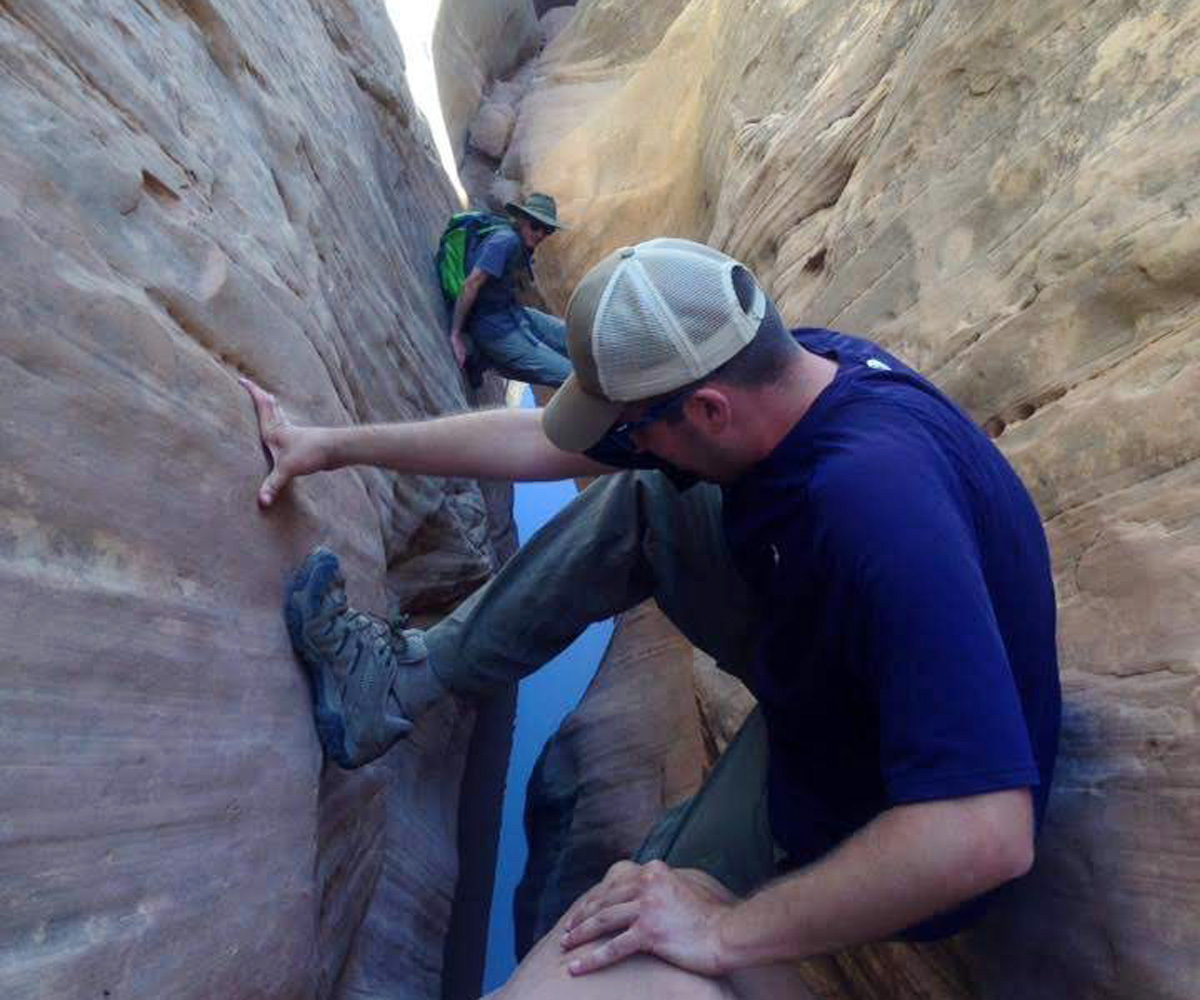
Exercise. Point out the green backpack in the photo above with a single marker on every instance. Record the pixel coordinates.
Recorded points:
(462, 232)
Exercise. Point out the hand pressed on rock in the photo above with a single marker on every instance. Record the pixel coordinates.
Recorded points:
(652, 908)
(293, 450)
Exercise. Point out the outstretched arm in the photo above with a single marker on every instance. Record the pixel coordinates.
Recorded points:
(505, 444)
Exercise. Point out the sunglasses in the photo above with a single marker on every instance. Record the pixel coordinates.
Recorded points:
(540, 227)
(622, 433)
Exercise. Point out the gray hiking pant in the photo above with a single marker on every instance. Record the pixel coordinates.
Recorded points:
(628, 537)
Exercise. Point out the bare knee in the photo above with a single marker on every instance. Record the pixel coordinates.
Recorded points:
(543, 975)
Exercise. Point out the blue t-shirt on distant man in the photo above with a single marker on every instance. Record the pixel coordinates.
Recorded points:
(909, 649)
(500, 255)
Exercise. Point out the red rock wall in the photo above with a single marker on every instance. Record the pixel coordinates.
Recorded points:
(190, 191)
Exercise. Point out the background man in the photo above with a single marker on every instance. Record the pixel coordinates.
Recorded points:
(827, 525)
(519, 342)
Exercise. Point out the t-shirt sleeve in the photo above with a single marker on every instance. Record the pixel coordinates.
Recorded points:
(901, 555)
(496, 251)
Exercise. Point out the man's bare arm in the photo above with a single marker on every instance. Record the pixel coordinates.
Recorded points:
(462, 309)
(906, 865)
(506, 444)
(909, 864)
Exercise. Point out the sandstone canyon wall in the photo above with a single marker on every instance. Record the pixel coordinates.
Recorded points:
(473, 45)
(190, 191)
(629, 752)
(1004, 194)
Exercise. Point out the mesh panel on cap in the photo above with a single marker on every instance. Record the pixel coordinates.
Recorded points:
(666, 320)
(624, 351)
(699, 293)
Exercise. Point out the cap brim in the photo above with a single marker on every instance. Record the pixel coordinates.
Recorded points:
(545, 220)
(575, 420)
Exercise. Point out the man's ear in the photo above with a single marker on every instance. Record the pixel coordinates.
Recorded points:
(710, 408)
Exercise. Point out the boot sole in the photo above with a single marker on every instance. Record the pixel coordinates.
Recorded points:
(314, 578)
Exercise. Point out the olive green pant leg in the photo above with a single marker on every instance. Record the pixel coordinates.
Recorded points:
(724, 828)
(627, 537)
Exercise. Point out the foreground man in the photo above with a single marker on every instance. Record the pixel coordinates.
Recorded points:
(829, 527)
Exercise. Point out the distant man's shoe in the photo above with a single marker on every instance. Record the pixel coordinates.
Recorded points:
(353, 659)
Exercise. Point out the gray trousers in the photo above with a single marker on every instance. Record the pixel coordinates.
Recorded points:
(628, 537)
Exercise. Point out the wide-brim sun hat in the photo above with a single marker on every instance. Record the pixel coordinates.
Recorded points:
(646, 320)
(538, 206)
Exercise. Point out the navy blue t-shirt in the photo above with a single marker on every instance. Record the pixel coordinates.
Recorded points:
(500, 255)
(909, 647)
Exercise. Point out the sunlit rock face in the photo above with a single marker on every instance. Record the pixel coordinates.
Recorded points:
(190, 191)
(475, 43)
(1002, 194)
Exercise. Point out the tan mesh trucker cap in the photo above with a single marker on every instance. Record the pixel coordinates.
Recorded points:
(646, 320)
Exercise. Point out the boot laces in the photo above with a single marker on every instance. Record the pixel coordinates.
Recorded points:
(383, 636)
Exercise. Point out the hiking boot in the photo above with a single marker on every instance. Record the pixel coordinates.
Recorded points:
(352, 659)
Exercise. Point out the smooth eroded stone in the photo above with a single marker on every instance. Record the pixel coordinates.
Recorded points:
(473, 44)
(191, 192)
(630, 751)
(492, 128)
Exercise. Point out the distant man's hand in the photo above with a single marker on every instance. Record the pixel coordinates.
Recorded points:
(668, 912)
(294, 451)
